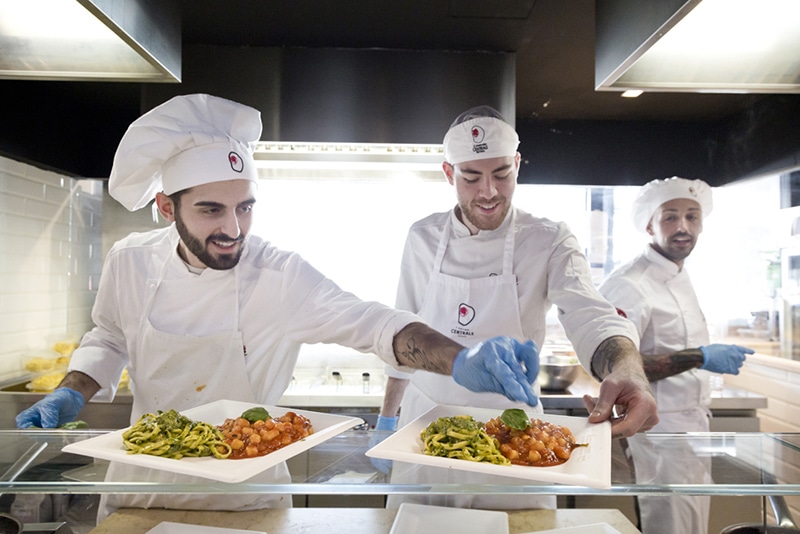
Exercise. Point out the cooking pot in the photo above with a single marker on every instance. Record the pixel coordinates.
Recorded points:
(10, 524)
(782, 515)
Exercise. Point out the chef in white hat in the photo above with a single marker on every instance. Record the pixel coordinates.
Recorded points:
(655, 293)
(487, 268)
(202, 310)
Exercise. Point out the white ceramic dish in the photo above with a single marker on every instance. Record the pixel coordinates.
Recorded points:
(594, 528)
(109, 446)
(424, 519)
(168, 527)
(589, 466)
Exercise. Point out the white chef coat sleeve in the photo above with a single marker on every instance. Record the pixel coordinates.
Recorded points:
(102, 353)
(316, 310)
(629, 298)
(588, 318)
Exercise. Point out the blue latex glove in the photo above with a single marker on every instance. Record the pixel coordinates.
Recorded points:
(719, 358)
(384, 424)
(496, 365)
(59, 407)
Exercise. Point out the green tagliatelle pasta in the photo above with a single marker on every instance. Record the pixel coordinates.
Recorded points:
(461, 437)
(172, 435)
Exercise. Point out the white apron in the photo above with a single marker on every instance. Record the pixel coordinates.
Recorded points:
(467, 311)
(683, 406)
(180, 372)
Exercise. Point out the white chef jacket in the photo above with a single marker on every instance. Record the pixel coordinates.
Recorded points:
(549, 265)
(283, 302)
(657, 296)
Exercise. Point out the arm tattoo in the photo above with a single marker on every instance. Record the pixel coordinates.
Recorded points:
(658, 367)
(606, 354)
(417, 357)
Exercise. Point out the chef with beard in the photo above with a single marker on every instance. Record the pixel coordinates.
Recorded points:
(655, 293)
(202, 310)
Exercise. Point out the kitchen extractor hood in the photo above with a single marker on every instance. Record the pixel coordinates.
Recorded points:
(99, 40)
(720, 46)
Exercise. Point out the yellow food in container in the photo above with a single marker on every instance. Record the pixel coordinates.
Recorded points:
(49, 381)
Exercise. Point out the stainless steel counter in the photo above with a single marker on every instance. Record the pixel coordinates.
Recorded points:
(738, 405)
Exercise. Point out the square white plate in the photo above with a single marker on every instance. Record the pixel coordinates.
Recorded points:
(594, 528)
(109, 446)
(424, 519)
(168, 527)
(588, 466)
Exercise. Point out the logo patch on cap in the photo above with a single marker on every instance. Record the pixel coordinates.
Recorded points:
(237, 164)
(478, 135)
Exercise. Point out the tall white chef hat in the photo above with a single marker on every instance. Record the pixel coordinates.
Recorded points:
(479, 133)
(187, 141)
(656, 192)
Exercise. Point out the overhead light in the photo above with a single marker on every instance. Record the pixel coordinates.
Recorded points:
(720, 46)
(632, 93)
(108, 40)
(352, 161)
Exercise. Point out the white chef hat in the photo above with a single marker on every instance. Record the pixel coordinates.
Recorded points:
(187, 141)
(657, 192)
(479, 133)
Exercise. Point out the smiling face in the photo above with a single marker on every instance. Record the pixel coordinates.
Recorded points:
(484, 189)
(212, 221)
(675, 227)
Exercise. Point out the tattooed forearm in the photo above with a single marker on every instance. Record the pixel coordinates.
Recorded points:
(421, 347)
(608, 354)
(660, 366)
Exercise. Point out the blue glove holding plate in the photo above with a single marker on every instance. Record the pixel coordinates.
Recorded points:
(500, 365)
(59, 407)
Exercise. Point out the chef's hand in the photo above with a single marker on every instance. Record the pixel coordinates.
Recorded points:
(719, 358)
(384, 426)
(625, 400)
(59, 407)
(499, 365)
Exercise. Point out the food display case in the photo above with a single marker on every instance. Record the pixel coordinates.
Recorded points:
(741, 464)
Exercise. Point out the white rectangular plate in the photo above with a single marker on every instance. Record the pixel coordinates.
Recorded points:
(109, 446)
(594, 528)
(168, 527)
(424, 519)
(588, 466)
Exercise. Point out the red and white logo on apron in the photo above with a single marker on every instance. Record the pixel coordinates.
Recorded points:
(466, 314)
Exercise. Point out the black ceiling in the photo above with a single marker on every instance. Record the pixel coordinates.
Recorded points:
(553, 41)
(571, 134)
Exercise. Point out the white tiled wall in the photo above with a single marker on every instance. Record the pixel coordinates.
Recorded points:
(50, 237)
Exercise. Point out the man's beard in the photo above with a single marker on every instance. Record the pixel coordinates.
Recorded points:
(199, 248)
(481, 222)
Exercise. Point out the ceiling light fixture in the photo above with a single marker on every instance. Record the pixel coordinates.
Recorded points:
(721, 46)
(108, 40)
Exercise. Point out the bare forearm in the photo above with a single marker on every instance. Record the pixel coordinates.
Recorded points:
(660, 366)
(420, 347)
(395, 387)
(82, 383)
(614, 352)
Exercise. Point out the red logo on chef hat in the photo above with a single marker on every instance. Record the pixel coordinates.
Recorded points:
(236, 161)
(478, 134)
(692, 191)
(466, 314)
